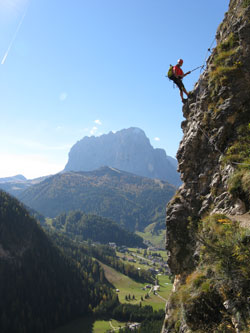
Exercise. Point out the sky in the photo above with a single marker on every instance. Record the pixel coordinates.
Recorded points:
(78, 68)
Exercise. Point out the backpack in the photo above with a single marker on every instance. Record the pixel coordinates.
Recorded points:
(170, 73)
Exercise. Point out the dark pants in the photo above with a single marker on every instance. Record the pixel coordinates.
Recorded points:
(178, 82)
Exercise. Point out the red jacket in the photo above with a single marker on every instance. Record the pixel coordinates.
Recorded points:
(178, 71)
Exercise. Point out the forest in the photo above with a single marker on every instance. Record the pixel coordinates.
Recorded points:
(81, 227)
(42, 286)
(48, 279)
(103, 253)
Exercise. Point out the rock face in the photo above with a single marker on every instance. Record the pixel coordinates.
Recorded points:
(128, 150)
(218, 108)
(214, 150)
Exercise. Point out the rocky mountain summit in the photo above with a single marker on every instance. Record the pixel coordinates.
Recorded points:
(205, 255)
(128, 150)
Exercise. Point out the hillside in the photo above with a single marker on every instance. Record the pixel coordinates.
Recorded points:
(130, 200)
(41, 286)
(82, 227)
(11, 179)
(128, 150)
(208, 250)
(17, 184)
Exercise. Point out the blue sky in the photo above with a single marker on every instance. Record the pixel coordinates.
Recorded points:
(88, 67)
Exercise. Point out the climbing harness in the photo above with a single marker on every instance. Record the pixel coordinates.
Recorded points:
(170, 71)
(170, 74)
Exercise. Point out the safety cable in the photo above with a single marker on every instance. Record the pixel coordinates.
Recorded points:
(207, 136)
(209, 50)
(202, 130)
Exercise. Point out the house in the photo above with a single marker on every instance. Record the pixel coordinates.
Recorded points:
(156, 288)
(134, 326)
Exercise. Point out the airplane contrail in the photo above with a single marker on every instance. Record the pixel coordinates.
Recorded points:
(14, 36)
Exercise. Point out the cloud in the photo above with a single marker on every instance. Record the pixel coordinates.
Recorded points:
(93, 130)
(63, 96)
(157, 139)
(98, 122)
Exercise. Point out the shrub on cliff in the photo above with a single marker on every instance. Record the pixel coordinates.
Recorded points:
(215, 296)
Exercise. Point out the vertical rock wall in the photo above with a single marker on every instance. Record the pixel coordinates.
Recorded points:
(220, 104)
(215, 146)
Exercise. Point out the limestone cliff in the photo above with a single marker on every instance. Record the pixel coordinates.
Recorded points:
(127, 150)
(214, 162)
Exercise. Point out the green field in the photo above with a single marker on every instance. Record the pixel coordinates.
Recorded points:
(126, 287)
(124, 284)
(102, 326)
(155, 240)
(140, 252)
(86, 325)
(130, 287)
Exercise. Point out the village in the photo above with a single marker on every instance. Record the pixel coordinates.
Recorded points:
(155, 294)
(151, 259)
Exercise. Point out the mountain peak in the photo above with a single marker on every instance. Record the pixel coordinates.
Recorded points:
(127, 150)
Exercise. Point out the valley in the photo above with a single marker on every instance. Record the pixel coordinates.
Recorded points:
(101, 230)
(108, 226)
(129, 291)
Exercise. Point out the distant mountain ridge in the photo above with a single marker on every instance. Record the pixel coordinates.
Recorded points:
(17, 184)
(12, 179)
(128, 150)
(130, 200)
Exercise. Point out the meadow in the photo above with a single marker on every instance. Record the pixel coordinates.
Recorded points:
(130, 292)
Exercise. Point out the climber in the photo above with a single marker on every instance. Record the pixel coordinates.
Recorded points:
(177, 76)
